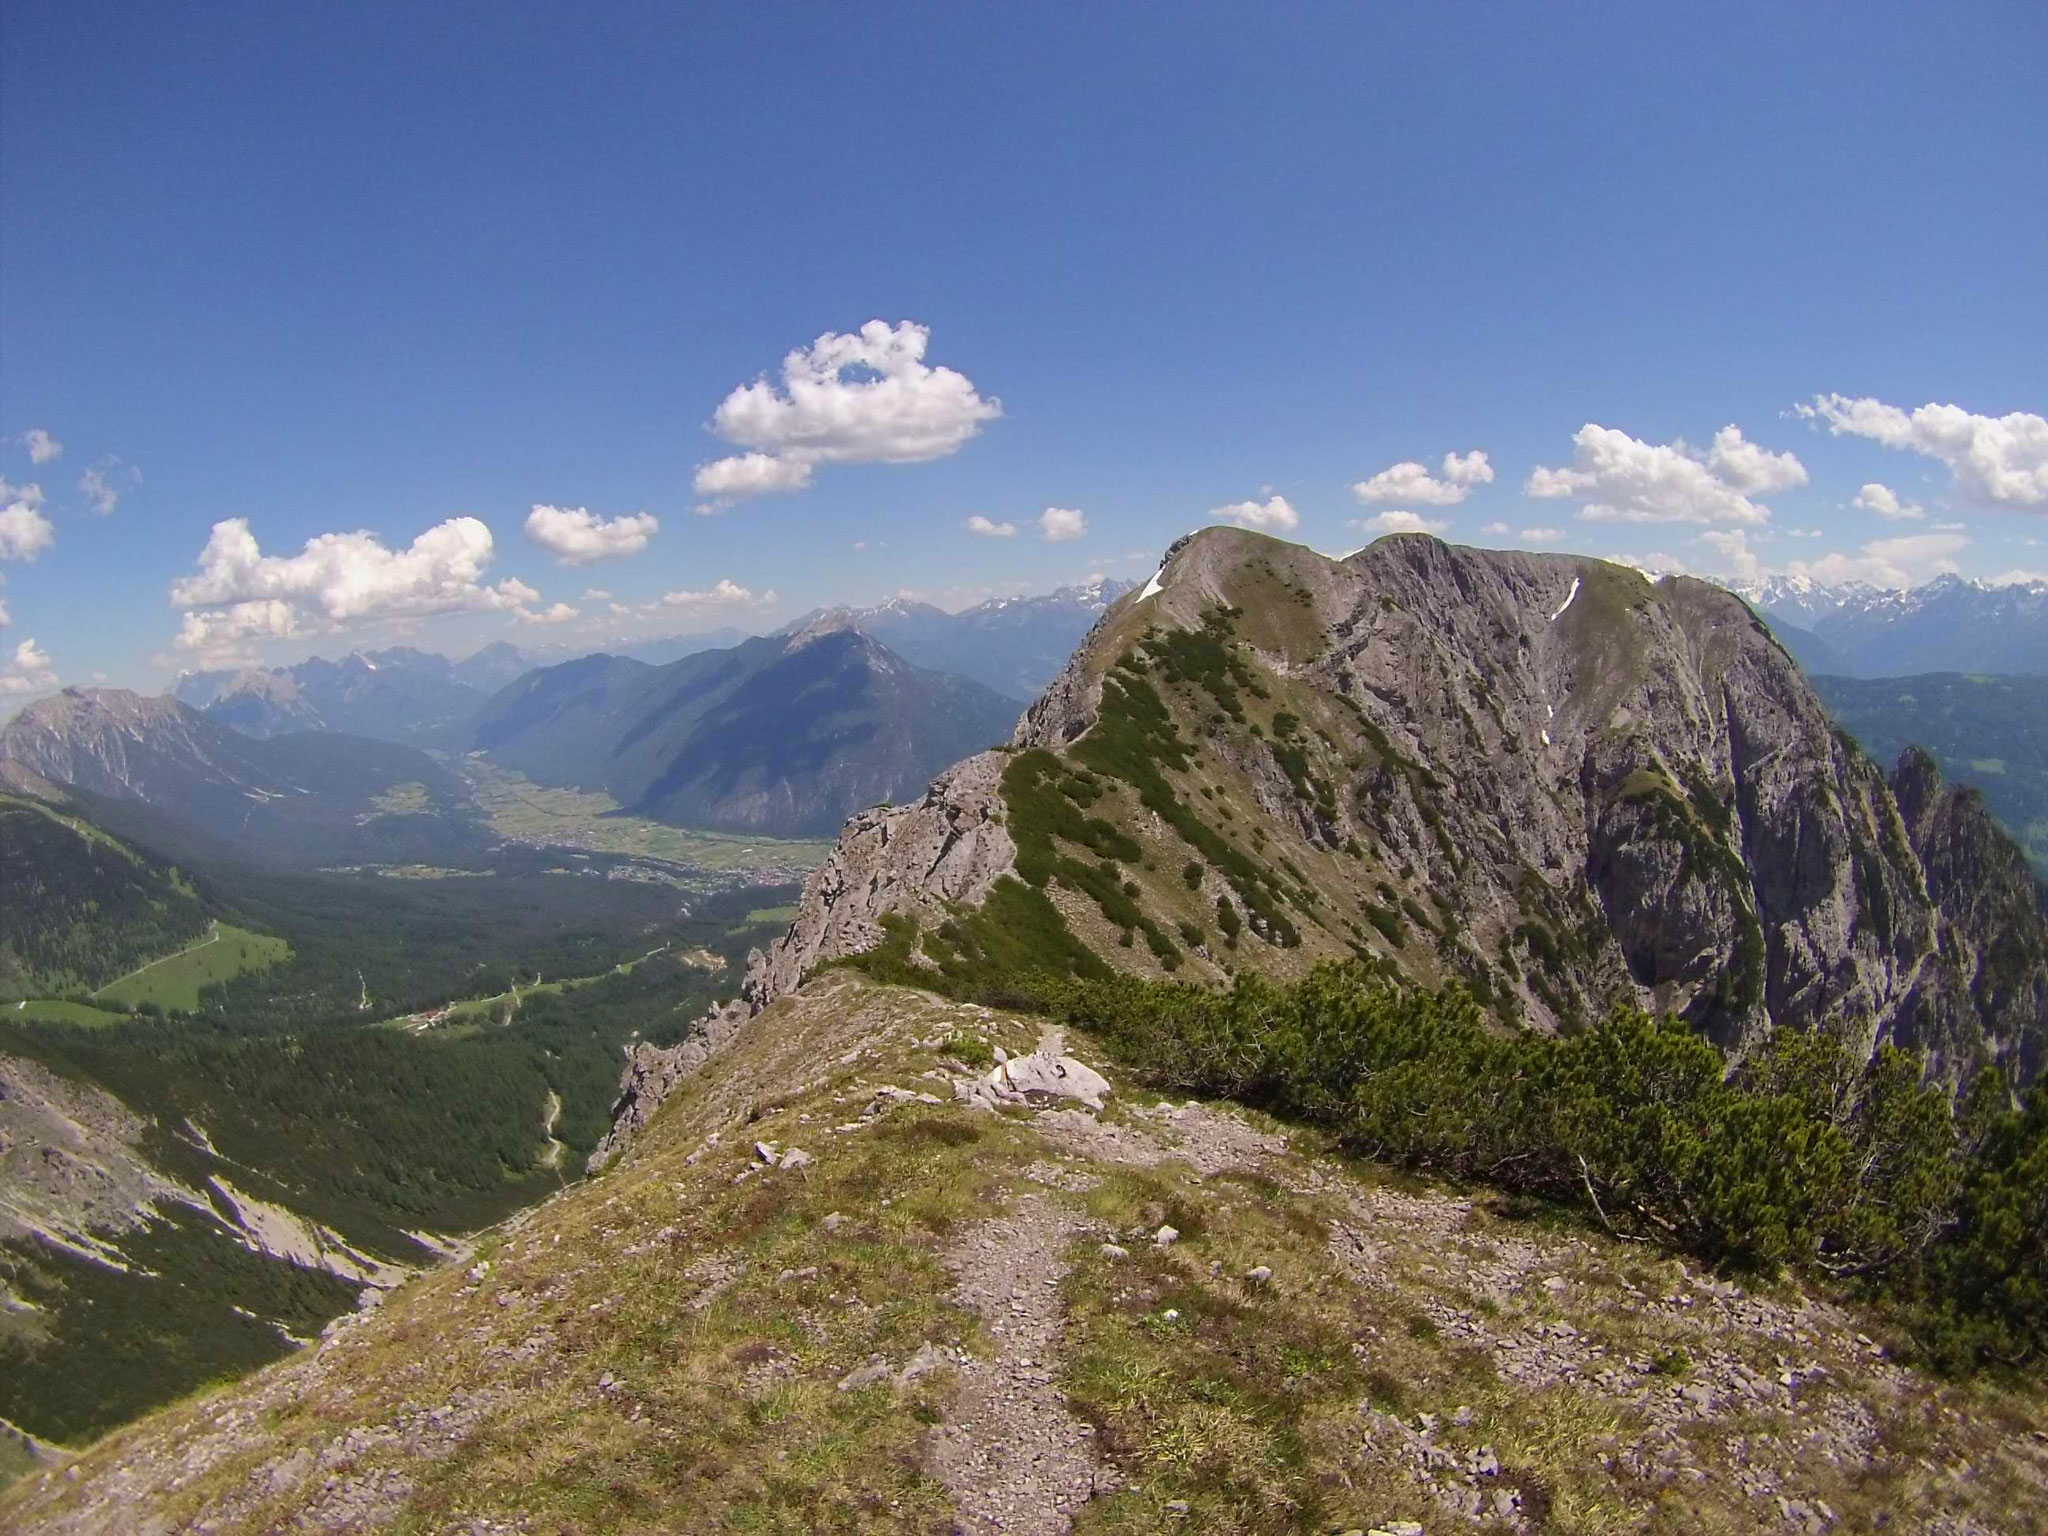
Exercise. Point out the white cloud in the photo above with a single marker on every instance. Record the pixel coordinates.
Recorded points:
(27, 671)
(985, 528)
(103, 483)
(726, 594)
(1541, 535)
(865, 397)
(1496, 529)
(229, 636)
(1757, 471)
(338, 581)
(1997, 459)
(41, 446)
(6, 618)
(1732, 545)
(555, 613)
(24, 531)
(1402, 522)
(1273, 515)
(1623, 480)
(577, 536)
(2016, 578)
(1410, 481)
(1884, 501)
(595, 594)
(748, 474)
(1896, 563)
(1062, 525)
(1655, 564)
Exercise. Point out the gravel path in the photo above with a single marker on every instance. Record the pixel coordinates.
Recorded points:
(1016, 1458)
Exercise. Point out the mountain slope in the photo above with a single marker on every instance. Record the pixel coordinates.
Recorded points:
(1014, 645)
(947, 1306)
(1540, 775)
(79, 907)
(1990, 732)
(783, 736)
(400, 694)
(309, 797)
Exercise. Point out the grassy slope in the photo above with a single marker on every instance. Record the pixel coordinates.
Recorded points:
(173, 982)
(660, 1350)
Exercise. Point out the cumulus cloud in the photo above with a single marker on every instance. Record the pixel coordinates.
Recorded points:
(554, 613)
(1273, 515)
(986, 528)
(1896, 563)
(103, 483)
(1410, 481)
(42, 447)
(26, 671)
(1621, 479)
(24, 531)
(1062, 525)
(1884, 501)
(1541, 535)
(1496, 529)
(863, 397)
(1732, 545)
(338, 581)
(1404, 522)
(726, 594)
(1738, 462)
(725, 481)
(2002, 460)
(577, 536)
(2016, 578)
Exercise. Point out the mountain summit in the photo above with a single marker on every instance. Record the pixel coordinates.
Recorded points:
(781, 736)
(1546, 777)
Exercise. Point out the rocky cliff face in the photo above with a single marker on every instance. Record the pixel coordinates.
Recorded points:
(950, 846)
(1547, 777)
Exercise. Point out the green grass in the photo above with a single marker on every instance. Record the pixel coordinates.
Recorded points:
(772, 915)
(51, 1011)
(173, 982)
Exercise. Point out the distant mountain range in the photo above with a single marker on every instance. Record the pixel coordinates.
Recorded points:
(159, 768)
(1014, 645)
(399, 694)
(1947, 625)
(784, 736)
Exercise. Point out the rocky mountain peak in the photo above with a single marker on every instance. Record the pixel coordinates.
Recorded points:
(1550, 779)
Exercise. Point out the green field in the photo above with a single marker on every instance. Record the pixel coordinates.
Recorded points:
(772, 915)
(572, 818)
(52, 1012)
(173, 982)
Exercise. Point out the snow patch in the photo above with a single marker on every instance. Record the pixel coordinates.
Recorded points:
(1567, 601)
(1154, 586)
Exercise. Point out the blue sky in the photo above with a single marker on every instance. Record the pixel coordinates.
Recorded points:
(374, 269)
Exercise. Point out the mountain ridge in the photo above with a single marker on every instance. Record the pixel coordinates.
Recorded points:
(1696, 836)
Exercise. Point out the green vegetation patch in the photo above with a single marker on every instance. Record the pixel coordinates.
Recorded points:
(52, 1011)
(119, 1343)
(173, 983)
(1806, 1158)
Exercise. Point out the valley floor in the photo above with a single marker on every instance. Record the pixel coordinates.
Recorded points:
(842, 1285)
